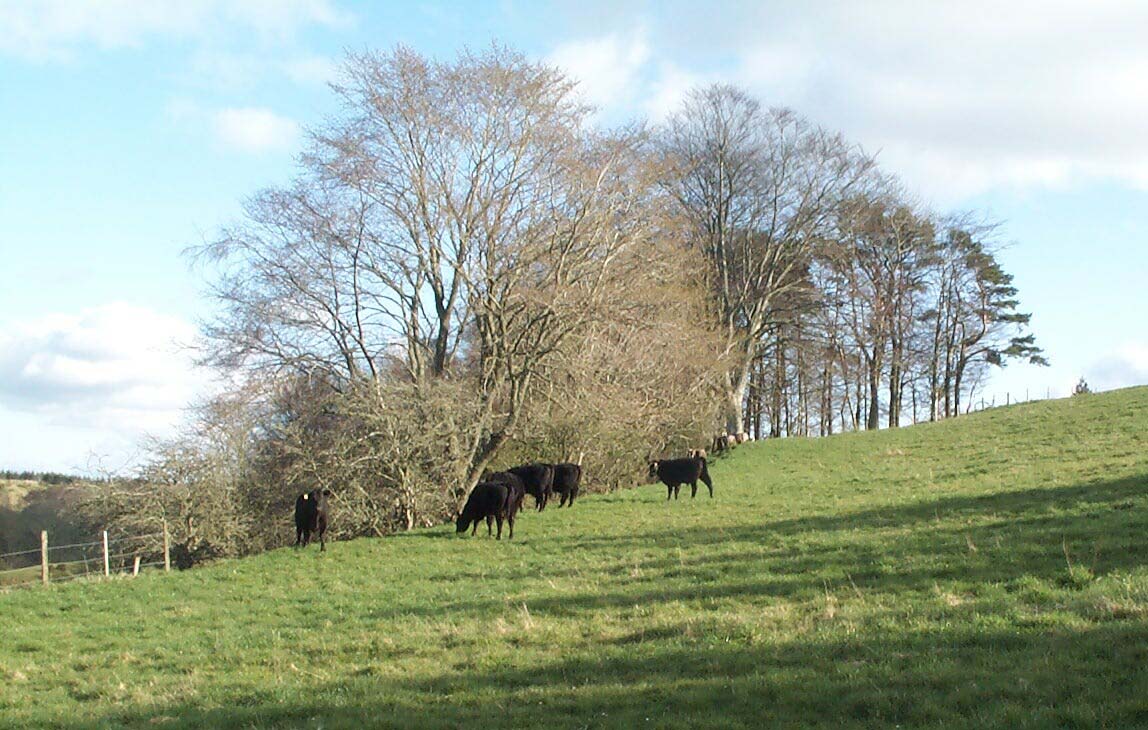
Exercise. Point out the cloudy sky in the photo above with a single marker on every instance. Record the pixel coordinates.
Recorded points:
(133, 129)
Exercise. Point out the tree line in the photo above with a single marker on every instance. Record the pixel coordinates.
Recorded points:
(466, 272)
(42, 477)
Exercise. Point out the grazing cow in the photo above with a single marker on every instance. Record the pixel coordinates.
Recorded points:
(676, 472)
(498, 497)
(538, 480)
(567, 478)
(311, 516)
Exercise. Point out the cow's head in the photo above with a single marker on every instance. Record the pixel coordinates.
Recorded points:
(653, 472)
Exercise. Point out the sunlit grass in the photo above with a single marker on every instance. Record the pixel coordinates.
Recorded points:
(983, 572)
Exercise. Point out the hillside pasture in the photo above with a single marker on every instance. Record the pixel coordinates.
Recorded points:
(987, 571)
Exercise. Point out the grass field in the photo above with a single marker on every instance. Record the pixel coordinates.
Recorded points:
(990, 571)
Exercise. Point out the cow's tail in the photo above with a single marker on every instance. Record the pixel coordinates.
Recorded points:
(514, 498)
(705, 475)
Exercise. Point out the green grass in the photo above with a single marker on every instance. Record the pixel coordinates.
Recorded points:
(984, 572)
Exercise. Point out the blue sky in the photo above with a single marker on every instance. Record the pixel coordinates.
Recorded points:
(131, 130)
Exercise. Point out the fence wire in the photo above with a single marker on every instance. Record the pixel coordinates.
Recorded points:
(129, 547)
(26, 567)
(19, 552)
(74, 545)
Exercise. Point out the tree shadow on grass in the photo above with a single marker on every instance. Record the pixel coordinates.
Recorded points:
(933, 678)
(706, 673)
(973, 540)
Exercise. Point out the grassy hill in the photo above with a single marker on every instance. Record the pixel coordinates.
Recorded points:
(988, 571)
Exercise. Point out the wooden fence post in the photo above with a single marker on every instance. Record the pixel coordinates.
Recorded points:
(44, 556)
(136, 567)
(166, 549)
(107, 565)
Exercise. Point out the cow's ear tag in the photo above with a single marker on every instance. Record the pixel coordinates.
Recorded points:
(305, 496)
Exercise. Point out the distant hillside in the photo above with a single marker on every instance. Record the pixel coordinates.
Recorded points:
(28, 506)
(38, 477)
(985, 572)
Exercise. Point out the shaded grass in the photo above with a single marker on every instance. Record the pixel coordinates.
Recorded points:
(983, 572)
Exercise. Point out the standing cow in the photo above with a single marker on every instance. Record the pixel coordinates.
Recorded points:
(311, 517)
(498, 497)
(538, 480)
(567, 478)
(676, 472)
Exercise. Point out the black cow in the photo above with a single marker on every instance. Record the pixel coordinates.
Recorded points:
(676, 472)
(498, 497)
(567, 477)
(538, 480)
(311, 516)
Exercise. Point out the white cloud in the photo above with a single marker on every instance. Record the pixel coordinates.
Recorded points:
(607, 68)
(55, 29)
(965, 97)
(1126, 366)
(116, 367)
(247, 129)
(668, 90)
(255, 130)
(958, 98)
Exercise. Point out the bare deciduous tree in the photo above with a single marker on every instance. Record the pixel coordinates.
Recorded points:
(878, 264)
(458, 221)
(759, 188)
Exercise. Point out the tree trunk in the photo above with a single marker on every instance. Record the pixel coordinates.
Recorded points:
(873, 421)
(735, 388)
(779, 405)
(958, 376)
(894, 398)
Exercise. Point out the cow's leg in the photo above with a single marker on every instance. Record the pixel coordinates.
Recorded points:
(669, 491)
(693, 489)
(322, 540)
(499, 519)
(510, 521)
(298, 536)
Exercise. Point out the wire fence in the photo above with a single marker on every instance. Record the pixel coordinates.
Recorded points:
(104, 558)
(984, 401)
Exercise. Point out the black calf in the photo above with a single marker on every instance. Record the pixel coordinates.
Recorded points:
(567, 478)
(676, 472)
(498, 497)
(538, 480)
(311, 516)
